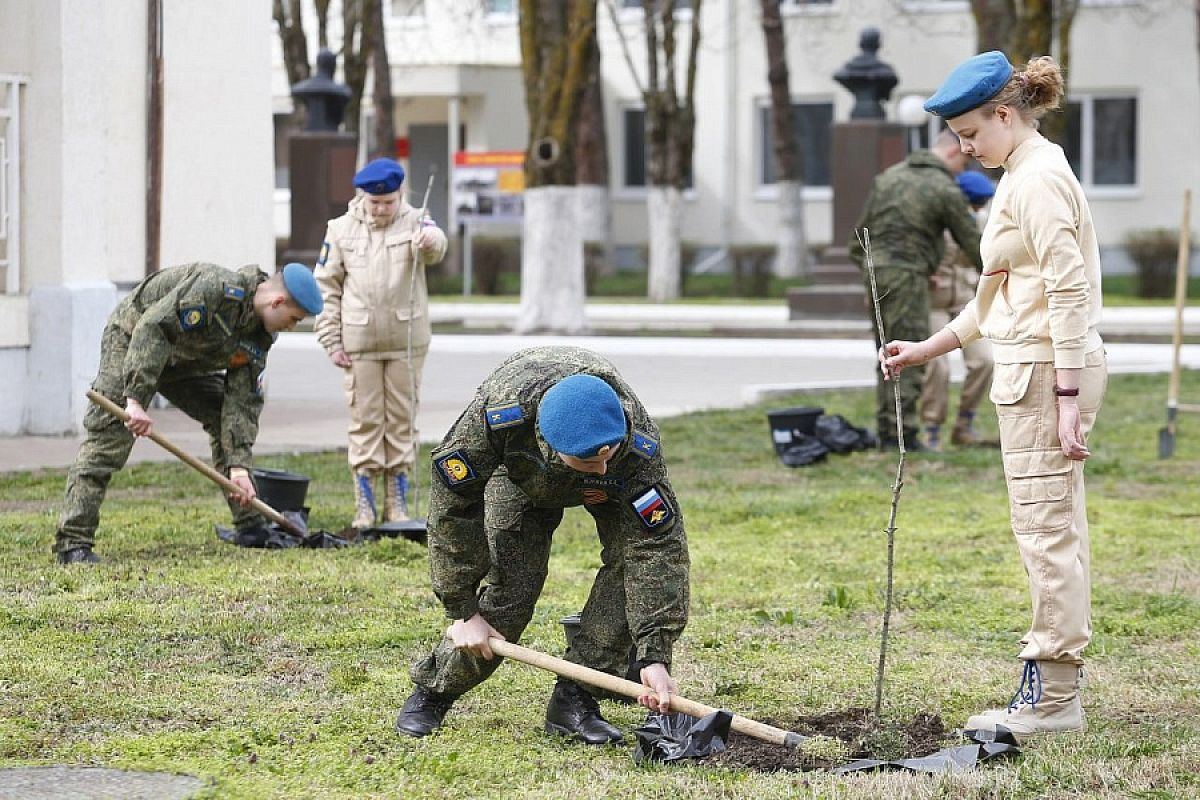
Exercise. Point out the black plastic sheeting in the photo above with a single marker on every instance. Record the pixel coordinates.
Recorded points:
(673, 737)
(987, 745)
(276, 537)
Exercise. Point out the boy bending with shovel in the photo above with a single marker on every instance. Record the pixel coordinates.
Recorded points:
(198, 335)
(551, 428)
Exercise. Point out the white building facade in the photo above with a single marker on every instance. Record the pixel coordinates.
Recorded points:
(456, 78)
(73, 174)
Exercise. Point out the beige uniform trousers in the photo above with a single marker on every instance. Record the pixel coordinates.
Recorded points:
(1047, 502)
(382, 397)
(935, 391)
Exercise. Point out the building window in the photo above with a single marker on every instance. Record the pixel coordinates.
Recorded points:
(813, 125)
(1101, 141)
(283, 126)
(636, 153)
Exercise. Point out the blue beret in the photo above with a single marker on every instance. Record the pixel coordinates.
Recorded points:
(580, 415)
(976, 186)
(381, 176)
(970, 85)
(302, 286)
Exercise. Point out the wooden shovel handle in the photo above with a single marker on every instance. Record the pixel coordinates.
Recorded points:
(194, 463)
(611, 683)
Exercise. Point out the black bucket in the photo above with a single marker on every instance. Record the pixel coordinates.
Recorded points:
(633, 673)
(282, 491)
(786, 423)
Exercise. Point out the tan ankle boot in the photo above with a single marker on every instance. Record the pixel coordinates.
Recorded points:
(1047, 701)
(963, 434)
(395, 492)
(364, 501)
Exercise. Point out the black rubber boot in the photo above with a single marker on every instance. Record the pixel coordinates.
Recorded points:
(575, 713)
(78, 555)
(423, 713)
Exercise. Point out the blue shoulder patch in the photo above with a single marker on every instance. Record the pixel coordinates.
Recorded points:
(324, 254)
(643, 445)
(506, 416)
(193, 316)
(235, 292)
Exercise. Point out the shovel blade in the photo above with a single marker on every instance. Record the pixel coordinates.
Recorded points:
(1166, 442)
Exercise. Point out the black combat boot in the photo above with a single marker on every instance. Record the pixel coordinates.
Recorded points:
(575, 713)
(423, 712)
(912, 442)
(78, 555)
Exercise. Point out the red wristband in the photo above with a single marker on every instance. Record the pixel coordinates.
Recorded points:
(1060, 392)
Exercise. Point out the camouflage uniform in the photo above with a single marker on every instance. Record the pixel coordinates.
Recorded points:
(910, 205)
(498, 493)
(189, 333)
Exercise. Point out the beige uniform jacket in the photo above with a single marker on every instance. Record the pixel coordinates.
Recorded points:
(1039, 296)
(375, 295)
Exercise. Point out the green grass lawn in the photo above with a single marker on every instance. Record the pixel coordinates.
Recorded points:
(279, 674)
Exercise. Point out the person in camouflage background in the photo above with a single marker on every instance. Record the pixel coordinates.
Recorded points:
(199, 335)
(552, 428)
(910, 206)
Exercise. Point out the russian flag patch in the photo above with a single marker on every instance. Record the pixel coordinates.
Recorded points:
(653, 509)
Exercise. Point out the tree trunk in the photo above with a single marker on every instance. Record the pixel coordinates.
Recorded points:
(1024, 29)
(381, 93)
(665, 215)
(355, 49)
(1054, 125)
(556, 40)
(791, 257)
(592, 172)
(552, 286)
(791, 245)
(322, 24)
(294, 45)
(292, 38)
(670, 137)
(994, 22)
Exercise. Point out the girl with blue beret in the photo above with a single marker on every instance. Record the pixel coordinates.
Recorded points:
(1039, 303)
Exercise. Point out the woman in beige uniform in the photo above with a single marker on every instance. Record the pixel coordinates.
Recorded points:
(1038, 302)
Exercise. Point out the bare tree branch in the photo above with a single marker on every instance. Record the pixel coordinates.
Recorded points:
(637, 81)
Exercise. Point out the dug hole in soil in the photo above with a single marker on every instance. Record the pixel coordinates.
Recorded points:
(856, 728)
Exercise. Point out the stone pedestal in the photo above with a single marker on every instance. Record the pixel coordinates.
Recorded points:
(322, 183)
(862, 148)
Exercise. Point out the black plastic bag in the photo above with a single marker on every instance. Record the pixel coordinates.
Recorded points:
(803, 450)
(836, 433)
(275, 537)
(672, 737)
(987, 745)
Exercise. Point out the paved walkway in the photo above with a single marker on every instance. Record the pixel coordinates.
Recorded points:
(305, 409)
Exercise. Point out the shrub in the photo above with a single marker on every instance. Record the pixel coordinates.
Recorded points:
(1155, 253)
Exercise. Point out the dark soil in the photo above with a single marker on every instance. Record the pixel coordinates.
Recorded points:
(863, 736)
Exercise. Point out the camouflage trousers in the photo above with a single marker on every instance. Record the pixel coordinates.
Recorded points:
(107, 442)
(904, 307)
(519, 537)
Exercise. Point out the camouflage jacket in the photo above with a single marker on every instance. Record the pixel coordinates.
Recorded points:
(498, 435)
(198, 319)
(910, 205)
